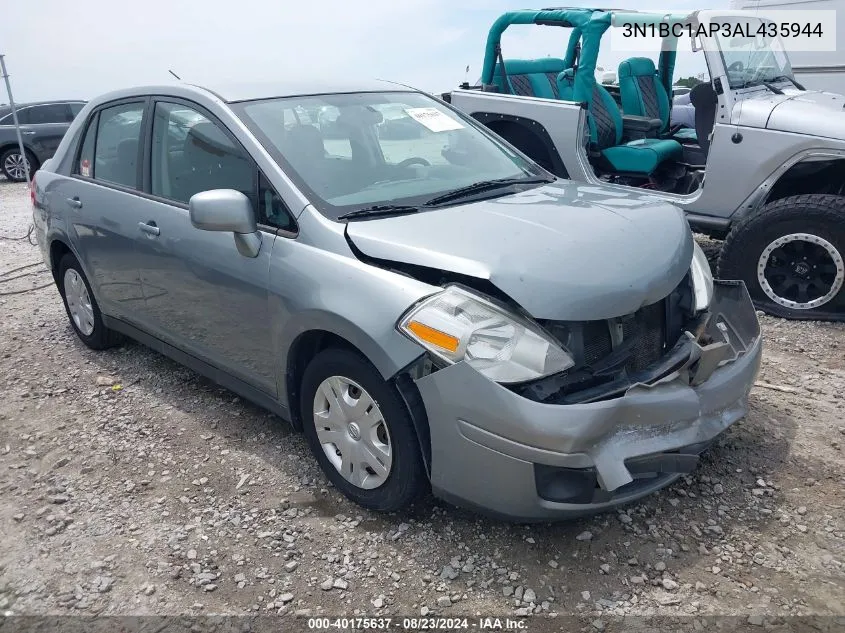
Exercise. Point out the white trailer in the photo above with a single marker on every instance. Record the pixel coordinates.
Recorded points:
(816, 70)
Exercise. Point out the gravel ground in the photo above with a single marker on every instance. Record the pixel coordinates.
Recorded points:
(130, 485)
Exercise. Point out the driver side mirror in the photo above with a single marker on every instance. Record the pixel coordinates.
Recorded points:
(229, 211)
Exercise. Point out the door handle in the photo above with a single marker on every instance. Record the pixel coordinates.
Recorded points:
(75, 202)
(149, 228)
(28, 132)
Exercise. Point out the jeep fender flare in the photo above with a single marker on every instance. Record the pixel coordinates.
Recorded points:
(762, 194)
(528, 137)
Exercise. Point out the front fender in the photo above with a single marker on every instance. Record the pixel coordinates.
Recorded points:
(388, 351)
(316, 290)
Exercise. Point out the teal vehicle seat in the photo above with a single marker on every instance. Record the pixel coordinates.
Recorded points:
(529, 77)
(643, 94)
(639, 157)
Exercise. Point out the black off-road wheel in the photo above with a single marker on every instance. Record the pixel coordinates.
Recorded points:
(361, 432)
(81, 306)
(791, 256)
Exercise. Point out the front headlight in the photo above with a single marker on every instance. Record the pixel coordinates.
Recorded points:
(702, 279)
(456, 325)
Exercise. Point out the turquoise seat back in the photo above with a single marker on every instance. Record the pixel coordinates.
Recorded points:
(606, 128)
(566, 84)
(642, 92)
(603, 116)
(530, 77)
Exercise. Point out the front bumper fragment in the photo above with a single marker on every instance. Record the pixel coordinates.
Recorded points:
(499, 452)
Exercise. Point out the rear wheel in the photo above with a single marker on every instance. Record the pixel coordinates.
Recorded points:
(82, 309)
(361, 432)
(791, 255)
(12, 164)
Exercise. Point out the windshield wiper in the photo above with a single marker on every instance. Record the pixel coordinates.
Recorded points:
(790, 80)
(759, 82)
(484, 185)
(379, 210)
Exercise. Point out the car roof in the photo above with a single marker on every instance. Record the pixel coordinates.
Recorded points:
(232, 92)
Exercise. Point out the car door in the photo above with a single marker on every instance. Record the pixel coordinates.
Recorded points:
(201, 294)
(103, 208)
(44, 126)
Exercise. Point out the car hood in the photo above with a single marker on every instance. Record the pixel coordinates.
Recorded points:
(814, 113)
(562, 251)
(808, 112)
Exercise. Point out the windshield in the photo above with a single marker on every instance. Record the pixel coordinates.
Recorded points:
(357, 150)
(750, 56)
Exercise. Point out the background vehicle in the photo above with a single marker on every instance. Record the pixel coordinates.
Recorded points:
(764, 165)
(431, 309)
(815, 70)
(42, 124)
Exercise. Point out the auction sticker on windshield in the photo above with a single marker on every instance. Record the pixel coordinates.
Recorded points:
(434, 119)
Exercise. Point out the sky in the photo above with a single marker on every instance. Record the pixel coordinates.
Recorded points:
(58, 49)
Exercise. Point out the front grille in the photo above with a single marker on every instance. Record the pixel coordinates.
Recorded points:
(640, 337)
(645, 331)
(597, 341)
(610, 355)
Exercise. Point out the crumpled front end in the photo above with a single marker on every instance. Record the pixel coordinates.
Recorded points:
(546, 451)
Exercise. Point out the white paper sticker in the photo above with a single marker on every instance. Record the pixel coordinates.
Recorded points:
(434, 119)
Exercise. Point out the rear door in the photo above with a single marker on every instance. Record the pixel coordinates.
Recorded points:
(103, 208)
(43, 127)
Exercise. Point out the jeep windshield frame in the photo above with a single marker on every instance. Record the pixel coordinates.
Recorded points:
(751, 52)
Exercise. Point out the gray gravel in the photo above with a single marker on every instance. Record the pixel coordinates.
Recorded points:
(130, 485)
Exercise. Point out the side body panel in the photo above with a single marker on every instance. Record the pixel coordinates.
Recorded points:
(103, 231)
(44, 138)
(316, 283)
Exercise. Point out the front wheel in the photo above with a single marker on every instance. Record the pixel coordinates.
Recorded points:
(791, 255)
(361, 432)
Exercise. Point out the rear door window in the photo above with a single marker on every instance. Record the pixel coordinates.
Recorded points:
(117, 144)
(23, 116)
(49, 113)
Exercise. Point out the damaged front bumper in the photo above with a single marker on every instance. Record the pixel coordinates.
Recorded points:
(505, 454)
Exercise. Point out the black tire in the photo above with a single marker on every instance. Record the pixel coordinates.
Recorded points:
(818, 215)
(407, 479)
(101, 337)
(14, 151)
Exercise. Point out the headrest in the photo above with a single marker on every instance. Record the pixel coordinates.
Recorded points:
(305, 140)
(127, 151)
(703, 94)
(360, 117)
(206, 138)
(637, 67)
(530, 66)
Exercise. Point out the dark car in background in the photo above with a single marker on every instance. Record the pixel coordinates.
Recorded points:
(42, 124)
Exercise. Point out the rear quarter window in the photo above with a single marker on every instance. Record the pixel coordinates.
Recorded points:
(84, 165)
